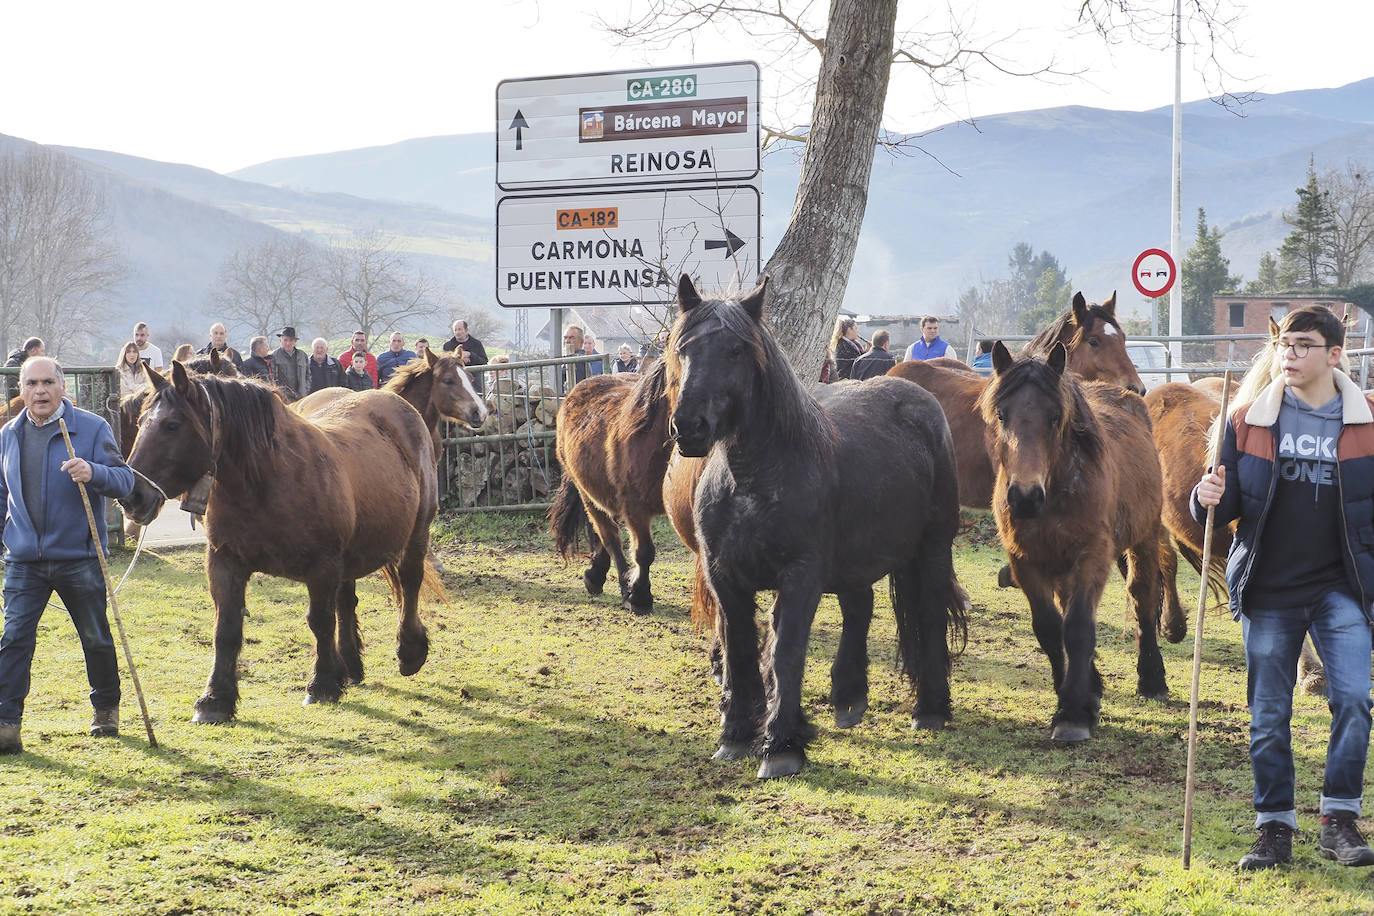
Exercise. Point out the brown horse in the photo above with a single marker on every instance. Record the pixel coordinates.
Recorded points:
(1078, 486)
(1097, 352)
(436, 386)
(613, 446)
(356, 481)
(1181, 416)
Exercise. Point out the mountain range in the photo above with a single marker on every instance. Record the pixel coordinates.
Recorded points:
(1091, 186)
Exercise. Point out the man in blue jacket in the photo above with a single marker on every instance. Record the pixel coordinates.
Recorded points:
(1297, 472)
(47, 540)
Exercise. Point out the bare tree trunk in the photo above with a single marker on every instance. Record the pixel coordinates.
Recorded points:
(809, 270)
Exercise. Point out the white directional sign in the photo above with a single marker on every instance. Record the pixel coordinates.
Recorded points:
(696, 123)
(626, 246)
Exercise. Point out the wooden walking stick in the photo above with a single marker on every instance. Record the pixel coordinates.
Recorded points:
(109, 588)
(1197, 633)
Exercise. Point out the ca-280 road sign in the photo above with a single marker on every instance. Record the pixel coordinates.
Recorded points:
(669, 125)
(625, 247)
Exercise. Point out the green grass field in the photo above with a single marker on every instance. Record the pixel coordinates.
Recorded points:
(553, 757)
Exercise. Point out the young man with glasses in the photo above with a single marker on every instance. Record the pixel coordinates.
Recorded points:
(1297, 471)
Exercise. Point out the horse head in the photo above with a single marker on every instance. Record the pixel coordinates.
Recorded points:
(453, 393)
(173, 448)
(716, 356)
(1095, 343)
(1032, 407)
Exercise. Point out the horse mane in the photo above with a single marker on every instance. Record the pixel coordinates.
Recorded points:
(404, 376)
(247, 420)
(1064, 330)
(791, 411)
(1083, 429)
(203, 366)
(648, 400)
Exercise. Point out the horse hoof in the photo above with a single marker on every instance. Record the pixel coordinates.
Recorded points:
(1070, 732)
(850, 716)
(929, 721)
(594, 585)
(1004, 579)
(1314, 685)
(788, 763)
(640, 610)
(1159, 696)
(209, 715)
(732, 750)
(311, 698)
(1174, 632)
(411, 655)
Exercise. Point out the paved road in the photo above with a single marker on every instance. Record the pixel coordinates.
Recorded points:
(172, 528)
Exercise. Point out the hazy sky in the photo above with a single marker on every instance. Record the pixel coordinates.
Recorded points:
(226, 85)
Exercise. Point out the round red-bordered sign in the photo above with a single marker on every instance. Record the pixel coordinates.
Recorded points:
(1153, 272)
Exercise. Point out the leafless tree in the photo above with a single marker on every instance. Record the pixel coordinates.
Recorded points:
(858, 46)
(1349, 196)
(58, 264)
(368, 284)
(263, 286)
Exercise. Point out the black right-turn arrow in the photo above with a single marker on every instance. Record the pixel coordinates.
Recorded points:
(731, 242)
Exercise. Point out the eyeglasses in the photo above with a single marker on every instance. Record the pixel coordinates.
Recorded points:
(1299, 349)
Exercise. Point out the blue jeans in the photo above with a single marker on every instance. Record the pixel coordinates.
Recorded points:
(28, 587)
(1273, 639)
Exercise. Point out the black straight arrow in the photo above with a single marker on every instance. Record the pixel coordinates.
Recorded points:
(517, 124)
(731, 241)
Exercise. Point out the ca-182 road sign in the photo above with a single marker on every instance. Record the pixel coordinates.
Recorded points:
(623, 247)
(668, 125)
(1153, 272)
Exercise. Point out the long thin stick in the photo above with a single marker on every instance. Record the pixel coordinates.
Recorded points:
(109, 587)
(1197, 634)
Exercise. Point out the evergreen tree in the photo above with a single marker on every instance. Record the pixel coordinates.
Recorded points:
(1053, 294)
(1304, 259)
(1267, 280)
(1034, 296)
(1205, 273)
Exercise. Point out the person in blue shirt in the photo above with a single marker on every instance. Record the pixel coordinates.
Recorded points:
(983, 359)
(595, 367)
(393, 358)
(47, 540)
(930, 345)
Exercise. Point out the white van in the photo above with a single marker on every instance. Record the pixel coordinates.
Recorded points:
(1150, 355)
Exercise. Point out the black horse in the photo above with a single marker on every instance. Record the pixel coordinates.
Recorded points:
(804, 498)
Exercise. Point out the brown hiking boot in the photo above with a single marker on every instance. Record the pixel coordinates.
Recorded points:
(1341, 840)
(1273, 846)
(9, 738)
(105, 722)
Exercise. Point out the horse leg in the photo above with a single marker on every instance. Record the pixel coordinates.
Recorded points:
(608, 530)
(640, 598)
(350, 636)
(849, 672)
(742, 696)
(1143, 584)
(1046, 622)
(412, 639)
(786, 731)
(228, 585)
(926, 598)
(594, 576)
(1311, 672)
(327, 682)
(1080, 693)
(1174, 622)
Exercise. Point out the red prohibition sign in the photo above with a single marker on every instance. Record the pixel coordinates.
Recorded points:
(1153, 272)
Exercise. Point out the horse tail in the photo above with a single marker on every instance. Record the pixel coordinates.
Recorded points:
(704, 609)
(567, 516)
(1216, 573)
(430, 581)
(932, 627)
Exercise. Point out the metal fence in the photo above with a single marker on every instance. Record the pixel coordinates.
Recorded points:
(510, 465)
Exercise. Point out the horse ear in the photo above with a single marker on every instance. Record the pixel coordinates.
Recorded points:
(687, 298)
(1273, 328)
(1109, 304)
(181, 381)
(214, 361)
(1058, 357)
(753, 303)
(157, 378)
(1001, 357)
(1080, 310)
(430, 358)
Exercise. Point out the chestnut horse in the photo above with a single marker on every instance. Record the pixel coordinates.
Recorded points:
(1078, 486)
(436, 386)
(613, 447)
(356, 481)
(132, 406)
(1097, 352)
(807, 495)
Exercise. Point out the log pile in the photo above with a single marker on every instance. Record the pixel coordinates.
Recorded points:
(486, 470)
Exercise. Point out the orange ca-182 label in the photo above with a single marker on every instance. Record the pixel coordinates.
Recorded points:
(590, 218)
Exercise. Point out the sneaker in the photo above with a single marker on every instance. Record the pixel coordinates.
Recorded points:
(105, 722)
(1273, 846)
(9, 738)
(1341, 840)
